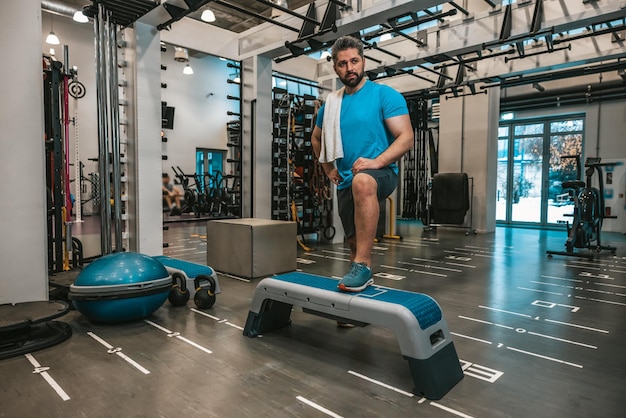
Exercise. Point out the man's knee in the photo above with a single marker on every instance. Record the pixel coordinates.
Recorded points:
(364, 185)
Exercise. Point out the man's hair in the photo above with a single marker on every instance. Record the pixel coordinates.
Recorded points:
(346, 42)
(165, 176)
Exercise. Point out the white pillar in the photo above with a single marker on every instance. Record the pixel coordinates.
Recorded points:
(257, 137)
(144, 144)
(468, 142)
(24, 275)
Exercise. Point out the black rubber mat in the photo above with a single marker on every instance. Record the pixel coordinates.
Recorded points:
(21, 341)
(23, 315)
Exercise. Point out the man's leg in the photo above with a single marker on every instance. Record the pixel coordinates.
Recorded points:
(366, 212)
(168, 200)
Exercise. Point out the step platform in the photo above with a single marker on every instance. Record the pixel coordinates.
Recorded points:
(29, 326)
(416, 319)
(189, 270)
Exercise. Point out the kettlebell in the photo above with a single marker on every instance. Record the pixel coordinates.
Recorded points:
(179, 294)
(205, 295)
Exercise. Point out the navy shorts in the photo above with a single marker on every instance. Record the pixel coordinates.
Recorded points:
(387, 181)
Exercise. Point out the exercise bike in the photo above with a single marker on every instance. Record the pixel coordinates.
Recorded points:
(585, 232)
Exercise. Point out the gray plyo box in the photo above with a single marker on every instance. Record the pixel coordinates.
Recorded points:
(250, 247)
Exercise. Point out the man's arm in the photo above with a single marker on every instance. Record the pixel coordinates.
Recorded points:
(329, 168)
(402, 131)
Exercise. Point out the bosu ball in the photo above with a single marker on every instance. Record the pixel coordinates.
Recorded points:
(120, 287)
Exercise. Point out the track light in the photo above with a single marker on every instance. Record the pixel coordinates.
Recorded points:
(208, 16)
(80, 17)
(187, 70)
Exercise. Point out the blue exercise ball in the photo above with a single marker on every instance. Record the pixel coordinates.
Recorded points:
(120, 287)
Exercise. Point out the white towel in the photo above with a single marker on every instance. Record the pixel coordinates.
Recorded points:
(332, 147)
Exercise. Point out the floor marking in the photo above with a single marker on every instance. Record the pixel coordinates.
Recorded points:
(485, 322)
(433, 267)
(598, 276)
(553, 284)
(219, 321)
(502, 310)
(305, 261)
(327, 257)
(610, 285)
(42, 371)
(177, 335)
(461, 265)
(582, 267)
(241, 279)
(422, 400)
(550, 305)
(448, 409)
(118, 352)
(618, 271)
(426, 259)
(521, 330)
(343, 253)
(545, 357)
(205, 314)
(561, 278)
(601, 300)
(480, 372)
(379, 383)
(318, 407)
(576, 326)
(471, 338)
(429, 273)
(540, 291)
(394, 267)
(389, 276)
(563, 340)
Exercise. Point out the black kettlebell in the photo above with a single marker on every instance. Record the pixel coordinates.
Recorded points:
(179, 295)
(205, 295)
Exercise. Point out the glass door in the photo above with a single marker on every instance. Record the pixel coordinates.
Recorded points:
(530, 169)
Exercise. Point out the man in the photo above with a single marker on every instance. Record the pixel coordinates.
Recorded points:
(171, 195)
(375, 131)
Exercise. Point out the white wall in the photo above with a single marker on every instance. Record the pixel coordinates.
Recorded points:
(80, 39)
(23, 224)
(200, 106)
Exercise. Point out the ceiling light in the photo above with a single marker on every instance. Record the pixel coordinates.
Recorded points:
(187, 70)
(181, 54)
(52, 39)
(208, 16)
(51, 51)
(80, 17)
(386, 37)
(237, 80)
(325, 55)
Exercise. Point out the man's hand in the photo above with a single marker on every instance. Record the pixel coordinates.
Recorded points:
(365, 164)
(333, 174)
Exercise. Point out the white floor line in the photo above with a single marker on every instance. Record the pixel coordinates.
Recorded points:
(318, 407)
(452, 411)
(234, 326)
(177, 335)
(205, 314)
(42, 371)
(504, 311)
(601, 300)
(561, 278)
(118, 352)
(545, 357)
(230, 276)
(563, 340)
(471, 338)
(540, 291)
(576, 326)
(379, 383)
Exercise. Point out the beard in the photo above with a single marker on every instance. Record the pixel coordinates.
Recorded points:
(347, 81)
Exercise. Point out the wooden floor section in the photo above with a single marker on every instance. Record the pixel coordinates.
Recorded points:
(537, 337)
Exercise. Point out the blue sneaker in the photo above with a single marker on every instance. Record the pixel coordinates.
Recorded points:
(357, 279)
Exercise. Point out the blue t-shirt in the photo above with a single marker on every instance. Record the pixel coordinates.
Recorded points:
(363, 130)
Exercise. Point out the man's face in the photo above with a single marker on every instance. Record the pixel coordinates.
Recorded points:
(166, 180)
(350, 67)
